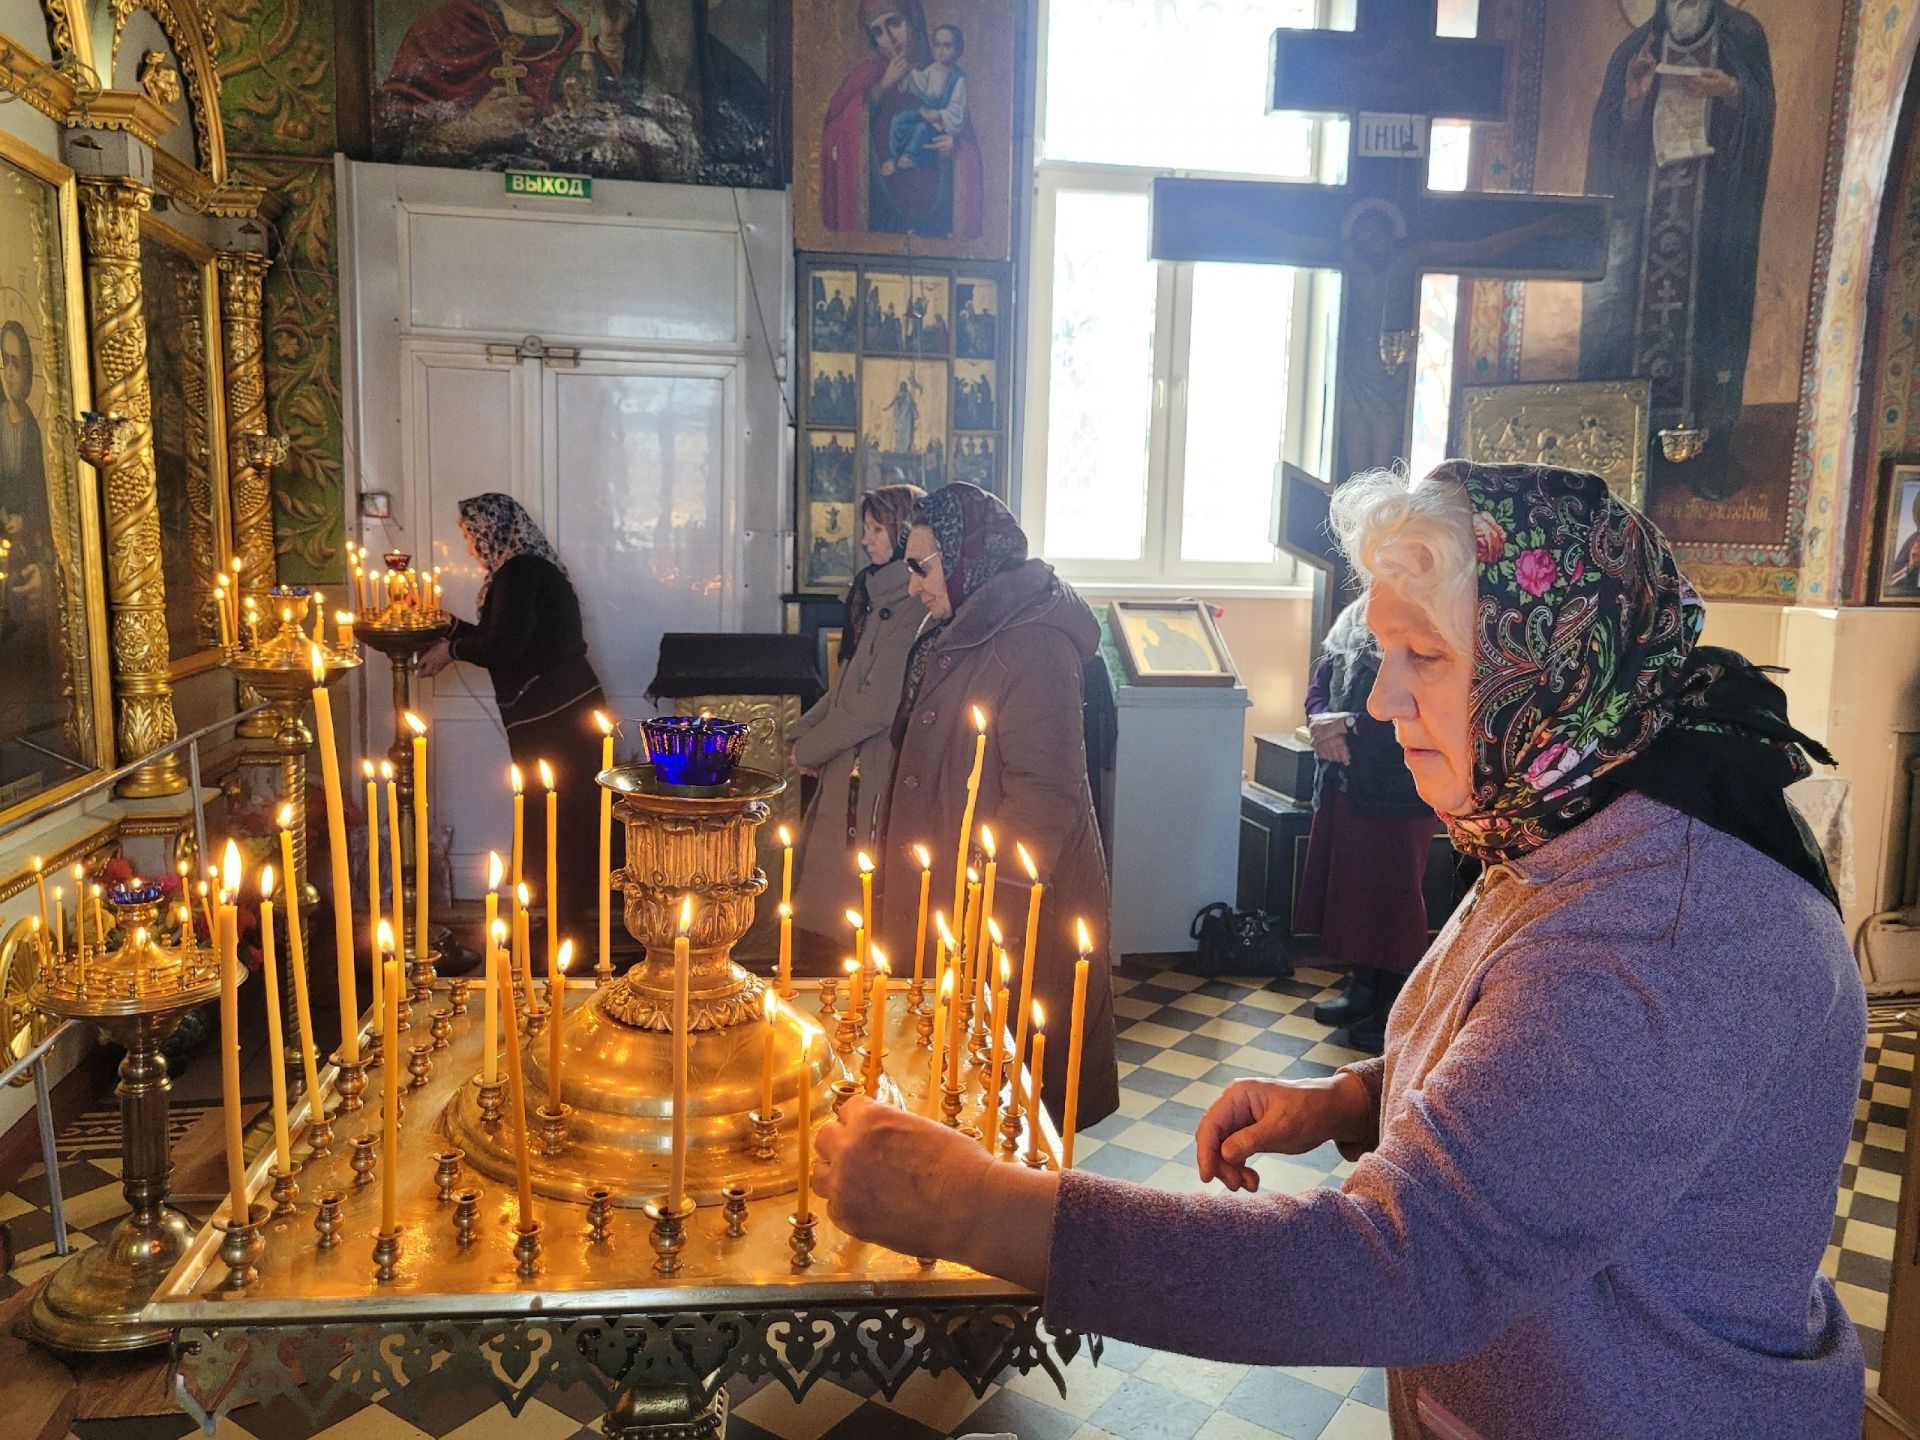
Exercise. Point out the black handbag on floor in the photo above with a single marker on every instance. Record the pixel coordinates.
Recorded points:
(1239, 942)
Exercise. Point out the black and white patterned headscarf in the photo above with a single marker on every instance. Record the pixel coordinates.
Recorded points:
(500, 529)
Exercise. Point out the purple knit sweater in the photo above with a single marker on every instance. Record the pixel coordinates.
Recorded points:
(1611, 1118)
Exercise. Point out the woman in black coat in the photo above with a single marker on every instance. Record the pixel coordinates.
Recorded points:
(529, 639)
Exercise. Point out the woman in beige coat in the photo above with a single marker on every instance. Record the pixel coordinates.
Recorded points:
(844, 739)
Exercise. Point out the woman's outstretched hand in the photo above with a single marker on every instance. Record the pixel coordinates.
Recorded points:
(918, 1187)
(434, 661)
(1282, 1117)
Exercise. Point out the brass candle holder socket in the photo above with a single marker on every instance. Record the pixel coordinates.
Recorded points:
(446, 1172)
(286, 1189)
(466, 1216)
(366, 1159)
(492, 1099)
(460, 993)
(326, 1218)
(351, 1083)
(386, 1253)
(599, 1213)
(766, 1131)
(843, 1091)
(552, 1129)
(526, 1250)
(734, 1208)
(420, 1066)
(240, 1245)
(668, 1237)
(800, 1242)
(440, 1025)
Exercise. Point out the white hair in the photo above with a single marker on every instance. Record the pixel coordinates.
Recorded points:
(1415, 535)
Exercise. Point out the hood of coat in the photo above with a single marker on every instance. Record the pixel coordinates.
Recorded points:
(887, 585)
(1028, 594)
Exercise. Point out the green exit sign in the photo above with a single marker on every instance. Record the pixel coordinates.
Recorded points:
(549, 187)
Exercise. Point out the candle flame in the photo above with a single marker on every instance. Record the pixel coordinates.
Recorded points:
(386, 770)
(383, 937)
(230, 869)
(686, 915)
(343, 617)
(285, 810)
(318, 663)
(1039, 1016)
(36, 864)
(850, 965)
(366, 768)
(546, 775)
(1033, 870)
(924, 856)
(499, 932)
(946, 987)
(266, 882)
(414, 722)
(979, 719)
(865, 862)
(516, 779)
(786, 837)
(993, 929)
(564, 958)
(203, 890)
(496, 872)
(525, 895)
(946, 935)
(786, 911)
(986, 841)
(600, 719)
(973, 876)
(879, 958)
(238, 564)
(770, 1004)
(853, 918)
(1086, 940)
(1006, 969)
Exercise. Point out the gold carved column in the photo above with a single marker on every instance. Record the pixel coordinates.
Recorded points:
(110, 209)
(241, 276)
(242, 273)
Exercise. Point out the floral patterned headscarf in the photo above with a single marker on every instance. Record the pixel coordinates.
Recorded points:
(978, 539)
(1585, 653)
(500, 529)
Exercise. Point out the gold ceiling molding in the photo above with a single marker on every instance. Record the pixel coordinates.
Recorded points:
(50, 91)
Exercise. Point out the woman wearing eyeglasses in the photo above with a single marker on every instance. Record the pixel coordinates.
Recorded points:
(1006, 634)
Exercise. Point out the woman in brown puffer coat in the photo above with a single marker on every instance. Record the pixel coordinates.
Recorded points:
(1006, 634)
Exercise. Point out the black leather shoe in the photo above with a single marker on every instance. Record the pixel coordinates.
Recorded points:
(1356, 1000)
(1370, 1034)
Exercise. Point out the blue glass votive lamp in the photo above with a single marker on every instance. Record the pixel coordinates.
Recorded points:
(694, 749)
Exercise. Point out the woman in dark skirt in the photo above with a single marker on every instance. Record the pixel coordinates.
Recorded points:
(529, 640)
(1367, 851)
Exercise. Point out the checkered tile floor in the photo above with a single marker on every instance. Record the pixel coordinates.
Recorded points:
(1181, 1040)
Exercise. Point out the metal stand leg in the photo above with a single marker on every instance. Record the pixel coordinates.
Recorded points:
(666, 1412)
(50, 1154)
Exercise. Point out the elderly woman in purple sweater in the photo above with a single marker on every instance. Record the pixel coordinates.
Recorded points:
(1597, 1162)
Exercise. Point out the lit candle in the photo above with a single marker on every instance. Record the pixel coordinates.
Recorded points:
(490, 1005)
(518, 858)
(60, 921)
(297, 955)
(1026, 972)
(925, 857)
(206, 914)
(553, 868)
(337, 845)
(396, 909)
(521, 979)
(554, 1028)
(997, 1053)
(376, 971)
(1070, 1113)
(877, 1032)
(220, 609)
(966, 816)
(420, 861)
(40, 880)
(343, 623)
(80, 909)
(228, 943)
(979, 972)
(859, 924)
(517, 1101)
(786, 866)
(766, 1059)
(390, 1077)
(865, 863)
(682, 977)
(100, 922)
(606, 848)
(276, 1035)
(943, 1007)
(1038, 1066)
(786, 951)
(956, 974)
(987, 883)
(803, 1197)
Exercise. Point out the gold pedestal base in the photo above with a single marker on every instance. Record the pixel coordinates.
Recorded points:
(619, 1126)
(92, 1304)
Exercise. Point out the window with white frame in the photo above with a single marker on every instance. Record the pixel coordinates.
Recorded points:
(1164, 396)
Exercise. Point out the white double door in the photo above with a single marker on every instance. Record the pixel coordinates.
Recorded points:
(628, 465)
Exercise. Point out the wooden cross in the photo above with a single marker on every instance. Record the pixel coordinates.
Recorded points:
(1382, 230)
(509, 70)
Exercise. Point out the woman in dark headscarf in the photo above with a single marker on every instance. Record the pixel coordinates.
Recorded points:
(846, 739)
(1595, 1169)
(1006, 634)
(529, 639)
